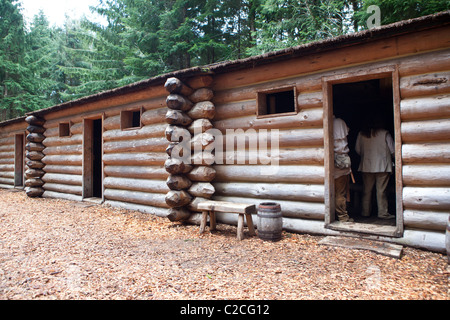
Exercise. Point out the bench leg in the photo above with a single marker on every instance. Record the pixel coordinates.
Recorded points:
(240, 227)
(203, 222)
(212, 220)
(251, 228)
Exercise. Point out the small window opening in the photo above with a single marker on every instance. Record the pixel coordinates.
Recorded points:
(64, 129)
(130, 119)
(278, 102)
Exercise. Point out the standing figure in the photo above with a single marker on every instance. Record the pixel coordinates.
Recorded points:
(376, 147)
(342, 168)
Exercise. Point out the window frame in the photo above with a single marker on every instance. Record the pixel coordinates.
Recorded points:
(64, 132)
(127, 113)
(261, 102)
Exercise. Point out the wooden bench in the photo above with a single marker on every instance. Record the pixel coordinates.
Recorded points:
(211, 207)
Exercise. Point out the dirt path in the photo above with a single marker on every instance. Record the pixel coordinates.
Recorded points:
(55, 249)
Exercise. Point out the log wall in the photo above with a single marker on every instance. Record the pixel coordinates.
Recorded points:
(8, 134)
(298, 182)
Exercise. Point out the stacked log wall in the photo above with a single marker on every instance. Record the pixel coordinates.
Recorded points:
(298, 185)
(63, 160)
(133, 159)
(7, 153)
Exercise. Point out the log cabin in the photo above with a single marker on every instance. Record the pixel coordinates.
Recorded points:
(122, 147)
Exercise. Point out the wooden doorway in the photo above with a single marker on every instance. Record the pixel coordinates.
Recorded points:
(19, 159)
(92, 159)
(351, 97)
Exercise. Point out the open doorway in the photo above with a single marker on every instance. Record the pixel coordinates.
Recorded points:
(352, 97)
(355, 102)
(19, 160)
(92, 159)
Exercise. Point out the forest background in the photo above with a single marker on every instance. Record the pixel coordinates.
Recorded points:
(43, 65)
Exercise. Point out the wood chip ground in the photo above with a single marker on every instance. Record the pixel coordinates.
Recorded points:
(57, 249)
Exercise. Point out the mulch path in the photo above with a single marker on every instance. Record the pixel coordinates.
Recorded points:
(57, 249)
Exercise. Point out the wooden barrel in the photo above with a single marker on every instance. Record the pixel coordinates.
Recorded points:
(447, 240)
(270, 221)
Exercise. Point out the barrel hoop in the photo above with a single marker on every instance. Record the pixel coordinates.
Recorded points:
(270, 216)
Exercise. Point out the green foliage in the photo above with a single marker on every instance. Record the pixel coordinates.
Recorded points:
(42, 65)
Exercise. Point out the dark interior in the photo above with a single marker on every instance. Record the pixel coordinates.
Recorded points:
(97, 156)
(352, 102)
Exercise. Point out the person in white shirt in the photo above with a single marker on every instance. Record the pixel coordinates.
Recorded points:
(342, 168)
(376, 147)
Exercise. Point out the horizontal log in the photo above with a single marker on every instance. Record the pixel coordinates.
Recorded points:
(275, 191)
(74, 149)
(7, 181)
(65, 169)
(201, 141)
(154, 116)
(8, 140)
(142, 185)
(293, 156)
(426, 198)
(178, 102)
(430, 240)
(425, 84)
(34, 155)
(34, 182)
(145, 198)
(177, 117)
(201, 94)
(178, 214)
(64, 188)
(426, 153)
(6, 155)
(34, 192)
(202, 189)
(112, 123)
(59, 178)
(56, 141)
(203, 158)
(34, 173)
(76, 128)
(144, 172)
(175, 85)
(9, 160)
(7, 148)
(60, 195)
(308, 100)
(146, 145)
(202, 174)
(176, 199)
(178, 182)
(34, 120)
(234, 109)
(35, 164)
(193, 205)
(135, 159)
(160, 212)
(33, 146)
(6, 167)
(421, 131)
(280, 174)
(148, 131)
(421, 108)
(7, 174)
(177, 134)
(35, 137)
(426, 220)
(202, 110)
(305, 118)
(70, 160)
(294, 209)
(35, 129)
(176, 166)
(200, 81)
(426, 175)
(199, 126)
